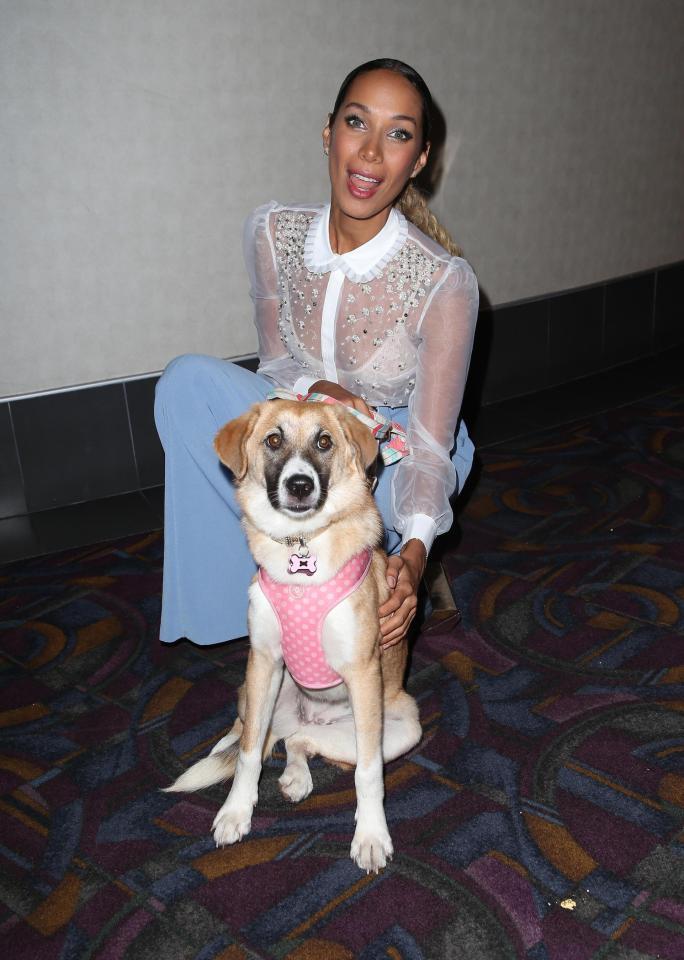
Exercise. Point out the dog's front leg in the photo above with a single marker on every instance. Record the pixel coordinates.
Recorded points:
(372, 845)
(262, 682)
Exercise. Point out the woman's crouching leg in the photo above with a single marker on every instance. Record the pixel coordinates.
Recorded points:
(207, 564)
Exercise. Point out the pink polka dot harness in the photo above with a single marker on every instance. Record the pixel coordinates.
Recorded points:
(301, 609)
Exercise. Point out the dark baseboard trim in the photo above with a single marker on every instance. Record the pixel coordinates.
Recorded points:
(89, 443)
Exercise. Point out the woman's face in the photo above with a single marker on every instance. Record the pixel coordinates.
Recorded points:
(375, 144)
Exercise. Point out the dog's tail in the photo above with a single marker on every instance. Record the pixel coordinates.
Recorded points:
(217, 767)
(213, 769)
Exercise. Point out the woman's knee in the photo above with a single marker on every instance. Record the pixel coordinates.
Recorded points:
(462, 456)
(177, 387)
(186, 372)
(187, 377)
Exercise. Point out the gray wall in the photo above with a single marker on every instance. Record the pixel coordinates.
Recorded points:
(137, 134)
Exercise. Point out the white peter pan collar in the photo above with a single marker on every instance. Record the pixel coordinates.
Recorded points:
(360, 265)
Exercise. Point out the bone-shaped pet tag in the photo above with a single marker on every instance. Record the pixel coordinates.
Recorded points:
(299, 564)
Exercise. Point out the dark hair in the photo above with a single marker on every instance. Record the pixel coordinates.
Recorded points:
(396, 66)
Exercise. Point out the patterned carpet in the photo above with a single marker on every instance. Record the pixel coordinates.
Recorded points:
(541, 817)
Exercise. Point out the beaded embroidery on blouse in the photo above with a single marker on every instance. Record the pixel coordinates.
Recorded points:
(290, 234)
(377, 322)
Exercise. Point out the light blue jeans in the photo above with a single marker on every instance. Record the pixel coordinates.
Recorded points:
(207, 563)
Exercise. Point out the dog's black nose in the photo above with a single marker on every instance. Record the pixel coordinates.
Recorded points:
(299, 485)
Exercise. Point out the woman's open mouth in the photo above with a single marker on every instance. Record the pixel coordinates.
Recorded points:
(362, 185)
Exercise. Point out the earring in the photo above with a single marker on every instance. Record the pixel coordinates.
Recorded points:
(325, 151)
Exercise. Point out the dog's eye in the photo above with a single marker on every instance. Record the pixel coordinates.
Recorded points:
(324, 442)
(274, 441)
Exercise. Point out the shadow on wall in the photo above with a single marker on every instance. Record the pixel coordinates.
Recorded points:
(428, 182)
(430, 177)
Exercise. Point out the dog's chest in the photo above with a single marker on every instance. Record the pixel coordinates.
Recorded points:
(301, 609)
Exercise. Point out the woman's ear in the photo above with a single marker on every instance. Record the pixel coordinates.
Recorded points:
(327, 133)
(421, 161)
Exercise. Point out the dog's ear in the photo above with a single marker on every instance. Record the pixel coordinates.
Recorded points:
(361, 438)
(231, 442)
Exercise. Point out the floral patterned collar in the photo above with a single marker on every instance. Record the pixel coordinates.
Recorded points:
(363, 264)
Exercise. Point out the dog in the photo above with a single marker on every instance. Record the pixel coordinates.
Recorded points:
(302, 481)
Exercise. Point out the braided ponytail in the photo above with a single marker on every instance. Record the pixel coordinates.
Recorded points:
(413, 204)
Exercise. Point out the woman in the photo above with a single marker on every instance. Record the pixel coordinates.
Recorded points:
(352, 300)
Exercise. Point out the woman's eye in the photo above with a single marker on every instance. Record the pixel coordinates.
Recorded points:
(353, 121)
(401, 135)
(274, 441)
(324, 442)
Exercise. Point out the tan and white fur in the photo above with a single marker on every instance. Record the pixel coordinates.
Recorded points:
(369, 718)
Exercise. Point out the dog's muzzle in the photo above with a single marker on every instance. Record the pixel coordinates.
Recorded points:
(299, 487)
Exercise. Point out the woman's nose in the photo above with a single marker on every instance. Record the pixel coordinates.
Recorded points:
(371, 149)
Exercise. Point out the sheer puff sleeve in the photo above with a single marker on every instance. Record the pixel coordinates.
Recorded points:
(426, 479)
(259, 254)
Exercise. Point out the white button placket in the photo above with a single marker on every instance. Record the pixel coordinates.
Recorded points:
(328, 323)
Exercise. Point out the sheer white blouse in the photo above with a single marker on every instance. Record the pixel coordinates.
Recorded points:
(391, 321)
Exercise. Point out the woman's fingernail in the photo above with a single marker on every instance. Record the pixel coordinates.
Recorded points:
(392, 581)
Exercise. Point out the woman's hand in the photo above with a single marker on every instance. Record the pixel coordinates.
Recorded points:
(404, 573)
(337, 392)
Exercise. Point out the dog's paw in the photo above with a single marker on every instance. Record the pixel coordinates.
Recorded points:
(296, 783)
(231, 825)
(371, 851)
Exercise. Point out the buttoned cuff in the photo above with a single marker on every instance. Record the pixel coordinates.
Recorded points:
(420, 527)
(303, 384)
